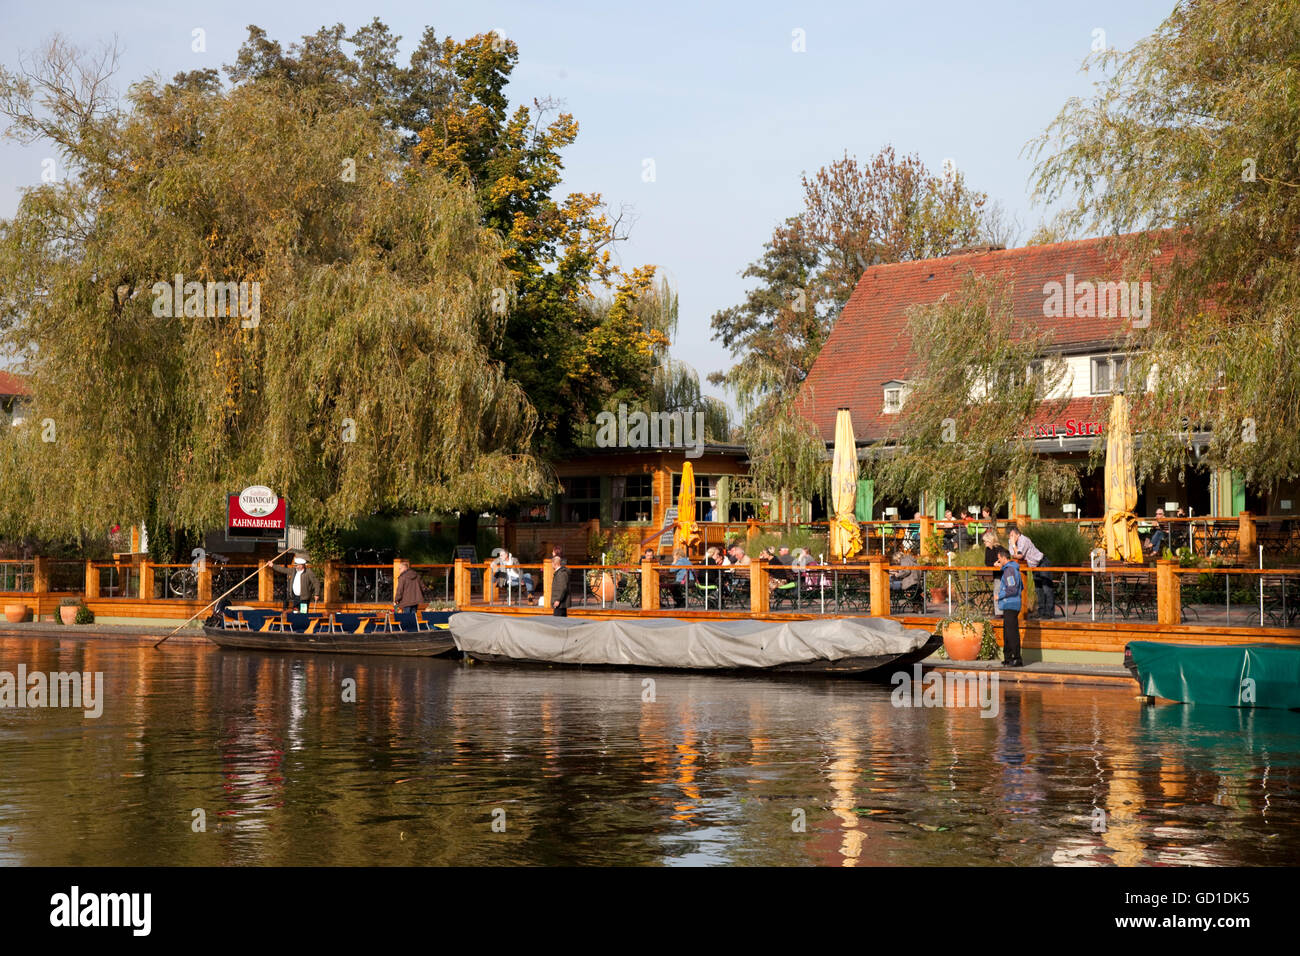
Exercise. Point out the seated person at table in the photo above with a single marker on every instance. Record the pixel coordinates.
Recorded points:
(948, 526)
(1158, 536)
(901, 580)
(914, 529)
(739, 560)
(678, 589)
(505, 572)
(779, 571)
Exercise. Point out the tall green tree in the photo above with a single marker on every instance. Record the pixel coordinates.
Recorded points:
(450, 109)
(965, 430)
(362, 378)
(855, 215)
(1188, 147)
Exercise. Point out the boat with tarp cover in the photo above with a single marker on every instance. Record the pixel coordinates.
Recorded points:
(851, 646)
(1222, 675)
(422, 634)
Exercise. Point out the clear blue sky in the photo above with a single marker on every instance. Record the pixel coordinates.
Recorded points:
(713, 93)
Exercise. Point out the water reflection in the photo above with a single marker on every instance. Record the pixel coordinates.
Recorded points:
(576, 767)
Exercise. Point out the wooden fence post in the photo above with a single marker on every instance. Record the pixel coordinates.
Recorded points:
(330, 585)
(649, 586)
(758, 595)
(205, 582)
(92, 580)
(1168, 598)
(397, 572)
(266, 583)
(548, 579)
(1247, 537)
(879, 578)
(40, 575)
(927, 535)
(146, 579)
(460, 584)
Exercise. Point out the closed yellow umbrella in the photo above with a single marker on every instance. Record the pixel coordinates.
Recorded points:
(1122, 541)
(846, 539)
(686, 533)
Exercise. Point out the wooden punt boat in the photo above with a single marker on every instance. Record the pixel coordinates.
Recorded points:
(848, 646)
(1221, 675)
(425, 634)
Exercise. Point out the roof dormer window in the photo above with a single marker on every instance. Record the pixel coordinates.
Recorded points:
(895, 396)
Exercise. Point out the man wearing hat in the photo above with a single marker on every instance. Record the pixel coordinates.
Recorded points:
(303, 585)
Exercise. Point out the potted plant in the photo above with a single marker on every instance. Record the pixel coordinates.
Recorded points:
(68, 608)
(618, 549)
(15, 613)
(84, 614)
(968, 635)
(936, 585)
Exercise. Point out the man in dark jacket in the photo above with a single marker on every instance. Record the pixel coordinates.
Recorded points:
(559, 587)
(1006, 601)
(303, 586)
(410, 590)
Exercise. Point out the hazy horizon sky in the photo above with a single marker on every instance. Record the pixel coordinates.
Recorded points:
(715, 94)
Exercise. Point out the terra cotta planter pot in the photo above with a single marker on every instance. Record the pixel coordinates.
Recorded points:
(605, 590)
(15, 613)
(68, 613)
(962, 641)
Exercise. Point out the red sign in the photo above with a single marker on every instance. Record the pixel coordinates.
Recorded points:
(270, 526)
(1073, 428)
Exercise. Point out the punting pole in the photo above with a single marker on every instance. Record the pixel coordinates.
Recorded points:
(202, 609)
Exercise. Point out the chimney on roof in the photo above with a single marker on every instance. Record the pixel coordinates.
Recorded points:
(977, 248)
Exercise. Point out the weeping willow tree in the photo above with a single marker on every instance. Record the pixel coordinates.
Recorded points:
(1189, 148)
(977, 386)
(644, 315)
(353, 375)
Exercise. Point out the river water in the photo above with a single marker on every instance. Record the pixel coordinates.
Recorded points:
(206, 756)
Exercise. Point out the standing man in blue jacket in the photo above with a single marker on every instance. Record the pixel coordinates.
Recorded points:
(1007, 601)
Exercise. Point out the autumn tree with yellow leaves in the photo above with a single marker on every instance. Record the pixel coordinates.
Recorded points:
(385, 216)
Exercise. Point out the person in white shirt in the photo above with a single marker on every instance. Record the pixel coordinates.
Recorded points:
(303, 587)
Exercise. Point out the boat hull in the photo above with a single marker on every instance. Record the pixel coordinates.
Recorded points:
(855, 647)
(1234, 675)
(398, 644)
(359, 634)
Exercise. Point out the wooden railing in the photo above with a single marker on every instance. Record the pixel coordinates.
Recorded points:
(1231, 538)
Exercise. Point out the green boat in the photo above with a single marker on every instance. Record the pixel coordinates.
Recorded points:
(1234, 675)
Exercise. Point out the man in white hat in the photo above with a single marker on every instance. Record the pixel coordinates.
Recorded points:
(303, 585)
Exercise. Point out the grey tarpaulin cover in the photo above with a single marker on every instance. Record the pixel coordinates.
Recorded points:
(666, 642)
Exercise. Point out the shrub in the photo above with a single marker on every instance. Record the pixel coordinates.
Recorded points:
(814, 544)
(85, 615)
(1062, 543)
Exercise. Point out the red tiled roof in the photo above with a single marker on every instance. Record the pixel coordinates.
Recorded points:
(11, 384)
(869, 344)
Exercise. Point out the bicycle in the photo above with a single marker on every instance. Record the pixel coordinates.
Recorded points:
(185, 582)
